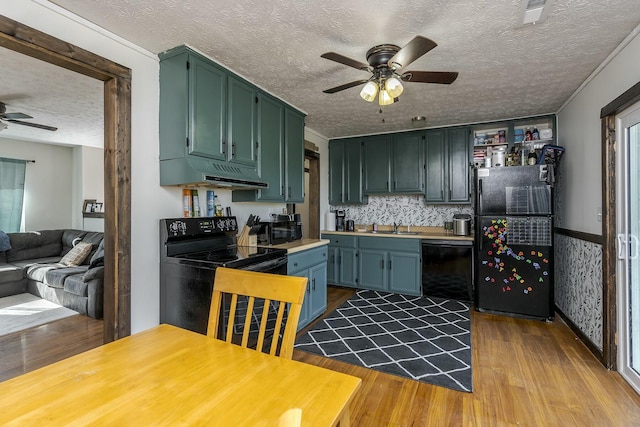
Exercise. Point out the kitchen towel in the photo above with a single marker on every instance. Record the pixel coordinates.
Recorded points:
(330, 221)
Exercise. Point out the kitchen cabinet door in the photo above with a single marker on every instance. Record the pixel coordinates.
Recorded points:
(404, 273)
(408, 163)
(294, 156)
(241, 119)
(347, 267)
(332, 256)
(373, 270)
(377, 166)
(435, 166)
(270, 117)
(208, 102)
(318, 286)
(459, 165)
(353, 172)
(336, 172)
(305, 315)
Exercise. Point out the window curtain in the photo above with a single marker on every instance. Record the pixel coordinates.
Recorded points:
(12, 174)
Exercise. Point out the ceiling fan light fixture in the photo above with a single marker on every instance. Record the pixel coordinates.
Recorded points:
(393, 87)
(385, 98)
(369, 92)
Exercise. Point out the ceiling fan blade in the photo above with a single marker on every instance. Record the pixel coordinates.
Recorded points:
(15, 116)
(345, 86)
(442, 77)
(411, 51)
(332, 56)
(34, 125)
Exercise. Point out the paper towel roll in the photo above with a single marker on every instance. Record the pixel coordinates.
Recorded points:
(330, 221)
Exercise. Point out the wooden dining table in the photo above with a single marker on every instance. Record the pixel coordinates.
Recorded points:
(170, 376)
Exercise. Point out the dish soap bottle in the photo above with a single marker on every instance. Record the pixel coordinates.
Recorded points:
(218, 206)
(533, 158)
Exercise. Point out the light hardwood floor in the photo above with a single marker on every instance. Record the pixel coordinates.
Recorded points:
(525, 373)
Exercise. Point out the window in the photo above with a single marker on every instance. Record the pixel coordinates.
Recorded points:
(12, 174)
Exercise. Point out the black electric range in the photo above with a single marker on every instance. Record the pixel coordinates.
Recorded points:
(190, 251)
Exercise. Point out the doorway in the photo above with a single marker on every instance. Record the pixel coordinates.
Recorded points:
(628, 234)
(117, 158)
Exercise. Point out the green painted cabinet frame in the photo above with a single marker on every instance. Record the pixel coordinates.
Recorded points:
(447, 165)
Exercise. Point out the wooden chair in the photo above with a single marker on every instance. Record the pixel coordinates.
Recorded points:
(266, 286)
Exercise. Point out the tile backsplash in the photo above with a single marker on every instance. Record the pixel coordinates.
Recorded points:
(405, 210)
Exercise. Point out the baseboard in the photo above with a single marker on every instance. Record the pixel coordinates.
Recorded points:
(582, 337)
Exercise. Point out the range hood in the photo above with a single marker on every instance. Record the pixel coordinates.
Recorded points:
(192, 170)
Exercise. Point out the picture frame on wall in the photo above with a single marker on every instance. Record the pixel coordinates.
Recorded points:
(89, 205)
(97, 207)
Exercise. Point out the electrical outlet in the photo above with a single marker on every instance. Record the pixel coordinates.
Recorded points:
(599, 214)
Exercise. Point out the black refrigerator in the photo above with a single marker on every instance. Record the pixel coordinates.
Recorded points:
(514, 240)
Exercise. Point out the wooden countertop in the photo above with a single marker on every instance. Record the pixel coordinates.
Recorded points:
(424, 233)
(301, 245)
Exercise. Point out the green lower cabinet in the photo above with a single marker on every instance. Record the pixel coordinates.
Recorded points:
(405, 273)
(347, 267)
(342, 260)
(311, 264)
(373, 270)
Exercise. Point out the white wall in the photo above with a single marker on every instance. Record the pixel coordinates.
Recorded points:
(580, 133)
(48, 183)
(149, 202)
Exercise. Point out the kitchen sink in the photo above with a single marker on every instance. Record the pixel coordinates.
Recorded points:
(393, 232)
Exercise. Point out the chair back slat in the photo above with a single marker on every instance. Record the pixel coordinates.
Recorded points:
(285, 292)
(247, 322)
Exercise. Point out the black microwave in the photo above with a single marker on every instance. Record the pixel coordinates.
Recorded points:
(279, 231)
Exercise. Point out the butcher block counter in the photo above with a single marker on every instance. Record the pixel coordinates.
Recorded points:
(428, 233)
(301, 245)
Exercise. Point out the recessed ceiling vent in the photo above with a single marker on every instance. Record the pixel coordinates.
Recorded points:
(534, 11)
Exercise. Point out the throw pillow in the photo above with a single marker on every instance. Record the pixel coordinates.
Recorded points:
(5, 243)
(77, 254)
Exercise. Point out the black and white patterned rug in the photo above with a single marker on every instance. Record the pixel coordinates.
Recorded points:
(425, 339)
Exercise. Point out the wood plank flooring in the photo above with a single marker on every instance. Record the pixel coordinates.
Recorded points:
(526, 373)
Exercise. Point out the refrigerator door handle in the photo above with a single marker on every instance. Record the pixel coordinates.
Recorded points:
(633, 246)
(479, 197)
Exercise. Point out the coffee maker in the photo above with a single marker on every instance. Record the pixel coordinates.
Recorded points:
(340, 220)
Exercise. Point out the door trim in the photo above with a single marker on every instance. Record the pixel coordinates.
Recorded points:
(609, 213)
(117, 158)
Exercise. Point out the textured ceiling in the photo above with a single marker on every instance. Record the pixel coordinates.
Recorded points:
(505, 70)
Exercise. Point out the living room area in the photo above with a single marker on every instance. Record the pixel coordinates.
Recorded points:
(51, 252)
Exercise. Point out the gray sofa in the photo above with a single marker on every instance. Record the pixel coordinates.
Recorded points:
(32, 264)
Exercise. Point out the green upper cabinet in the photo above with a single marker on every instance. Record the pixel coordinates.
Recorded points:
(408, 163)
(294, 156)
(270, 116)
(207, 109)
(280, 136)
(241, 122)
(459, 164)
(345, 172)
(377, 166)
(447, 153)
(434, 166)
(193, 107)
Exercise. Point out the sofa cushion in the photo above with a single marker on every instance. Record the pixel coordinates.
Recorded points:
(95, 238)
(76, 285)
(35, 244)
(10, 273)
(77, 255)
(29, 262)
(38, 272)
(97, 258)
(53, 275)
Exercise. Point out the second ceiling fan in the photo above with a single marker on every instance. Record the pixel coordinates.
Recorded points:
(386, 63)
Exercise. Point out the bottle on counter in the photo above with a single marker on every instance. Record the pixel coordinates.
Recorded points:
(528, 135)
(211, 203)
(196, 203)
(533, 158)
(218, 206)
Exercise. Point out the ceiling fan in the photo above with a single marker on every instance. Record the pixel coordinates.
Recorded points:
(385, 63)
(13, 118)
